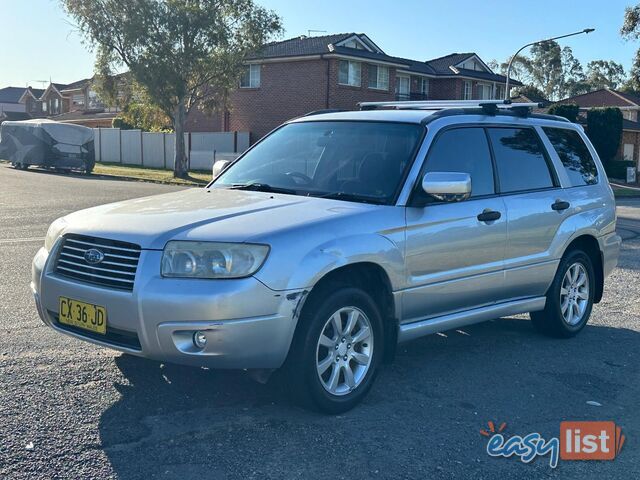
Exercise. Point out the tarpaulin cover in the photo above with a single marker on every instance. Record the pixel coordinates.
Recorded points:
(47, 143)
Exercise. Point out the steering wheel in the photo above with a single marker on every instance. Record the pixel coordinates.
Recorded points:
(306, 180)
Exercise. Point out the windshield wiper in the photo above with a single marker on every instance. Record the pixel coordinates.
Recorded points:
(353, 197)
(262, 187)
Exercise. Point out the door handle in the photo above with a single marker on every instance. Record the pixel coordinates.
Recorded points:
(489, 215)
(560, 205)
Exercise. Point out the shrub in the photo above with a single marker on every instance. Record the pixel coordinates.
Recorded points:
(567, 110)
(604, 129)
(618, 168)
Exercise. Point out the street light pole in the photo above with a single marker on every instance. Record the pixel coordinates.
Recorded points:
(506, 91)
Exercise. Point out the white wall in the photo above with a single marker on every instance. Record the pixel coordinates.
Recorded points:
(134, 147)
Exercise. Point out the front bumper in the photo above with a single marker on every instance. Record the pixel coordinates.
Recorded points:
(247, 325)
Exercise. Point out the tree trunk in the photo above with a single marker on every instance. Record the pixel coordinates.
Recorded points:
(180, 157)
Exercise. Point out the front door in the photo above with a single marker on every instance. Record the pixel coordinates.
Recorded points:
(454, 251)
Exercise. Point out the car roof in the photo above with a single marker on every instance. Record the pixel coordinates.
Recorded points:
(404, 116)
(453, 115)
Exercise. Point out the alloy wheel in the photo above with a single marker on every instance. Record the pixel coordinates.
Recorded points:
(574, 294)
(344, 351)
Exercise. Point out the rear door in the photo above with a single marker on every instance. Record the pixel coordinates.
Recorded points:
(454, 254)
(535, 206)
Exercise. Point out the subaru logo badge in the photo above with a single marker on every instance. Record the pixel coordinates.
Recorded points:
(93, 256)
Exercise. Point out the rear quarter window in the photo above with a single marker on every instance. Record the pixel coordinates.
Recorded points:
(574, 155)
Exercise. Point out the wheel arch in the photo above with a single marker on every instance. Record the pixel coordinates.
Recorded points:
(373, 279)
(589, 244)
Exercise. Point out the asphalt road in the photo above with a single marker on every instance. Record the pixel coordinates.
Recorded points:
(72, 410)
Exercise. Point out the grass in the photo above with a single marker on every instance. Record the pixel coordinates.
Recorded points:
(196, 177)
(625, 192)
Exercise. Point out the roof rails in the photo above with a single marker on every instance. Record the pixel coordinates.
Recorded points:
(490, 107)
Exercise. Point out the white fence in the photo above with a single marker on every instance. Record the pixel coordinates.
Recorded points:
(135, 147)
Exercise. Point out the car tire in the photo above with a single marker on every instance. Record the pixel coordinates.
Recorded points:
(569, 298)
(330, 370)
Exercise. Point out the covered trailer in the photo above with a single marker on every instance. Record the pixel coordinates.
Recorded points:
(47, 144)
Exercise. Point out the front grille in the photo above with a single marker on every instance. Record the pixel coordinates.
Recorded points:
(114, 336)
(116, 270)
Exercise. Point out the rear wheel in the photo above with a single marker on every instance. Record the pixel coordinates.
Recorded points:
(569, 299)
(336, 350)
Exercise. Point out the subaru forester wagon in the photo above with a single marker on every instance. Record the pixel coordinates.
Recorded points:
(339, 235)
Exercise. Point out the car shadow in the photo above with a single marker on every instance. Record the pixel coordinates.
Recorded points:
(439, 391)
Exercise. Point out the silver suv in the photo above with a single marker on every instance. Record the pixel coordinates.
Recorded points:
(338, 236)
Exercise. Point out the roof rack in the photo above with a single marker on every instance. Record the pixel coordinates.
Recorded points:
(490, 107)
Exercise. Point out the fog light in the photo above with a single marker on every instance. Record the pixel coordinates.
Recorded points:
(199, 339)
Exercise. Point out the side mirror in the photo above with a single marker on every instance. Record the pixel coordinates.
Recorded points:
(219, 166)
(447, 186)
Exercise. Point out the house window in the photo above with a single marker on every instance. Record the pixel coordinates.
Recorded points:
(354, 44)
(94, 100)
(55, 105)
(424, 87)
(250, 76)
(484, 91)
(499, 92)
(467, 94)
(78, 100)
(403, 87)
(45, 106)
(349, 73)
(33, 106)
(378, 77)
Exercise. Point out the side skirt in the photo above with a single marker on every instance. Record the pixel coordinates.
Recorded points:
(418, 329)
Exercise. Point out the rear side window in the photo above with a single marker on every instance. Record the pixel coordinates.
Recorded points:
(464, 150)
(574, 155)
(520, 160)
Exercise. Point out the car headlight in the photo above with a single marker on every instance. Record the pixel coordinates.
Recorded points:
(211, 259)
(55, 229)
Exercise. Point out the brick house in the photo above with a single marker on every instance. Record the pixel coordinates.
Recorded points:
(290, 78)
(76, 102)
(629, 105)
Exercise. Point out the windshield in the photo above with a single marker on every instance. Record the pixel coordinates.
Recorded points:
(355, 161)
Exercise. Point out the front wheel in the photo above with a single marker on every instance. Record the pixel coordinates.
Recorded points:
(336, 351)
(569, 299)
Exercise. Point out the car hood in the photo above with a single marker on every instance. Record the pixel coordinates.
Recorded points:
(205, 215)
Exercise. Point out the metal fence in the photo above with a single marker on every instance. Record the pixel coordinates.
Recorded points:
(135, 147)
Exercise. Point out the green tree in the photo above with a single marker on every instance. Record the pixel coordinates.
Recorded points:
(567, 110)
(144, 116)
(605, 74)
(631, 31)
(185, 54)
(604, 129)
(534, 93)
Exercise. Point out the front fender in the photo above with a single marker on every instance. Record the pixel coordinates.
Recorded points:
(305, 269)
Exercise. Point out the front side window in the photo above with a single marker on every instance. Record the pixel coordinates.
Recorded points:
(378, 77)
(349, 73)
(250, 76)
(463, 150)
(574, 155)
(520, 160)
(354, 161)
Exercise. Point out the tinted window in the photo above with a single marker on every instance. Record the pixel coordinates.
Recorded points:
(519, 159)
(464, 150)
(574, 155)
(359, 161)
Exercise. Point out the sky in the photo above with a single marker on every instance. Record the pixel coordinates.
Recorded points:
(40, 42)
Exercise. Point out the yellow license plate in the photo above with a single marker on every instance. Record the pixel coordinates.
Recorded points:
(82, 315)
